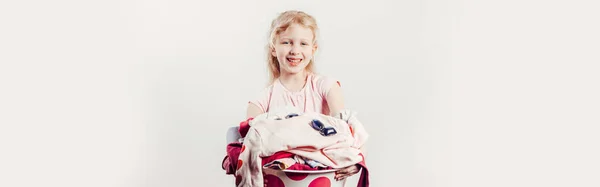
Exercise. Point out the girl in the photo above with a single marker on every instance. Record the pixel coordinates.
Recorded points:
(293, 82)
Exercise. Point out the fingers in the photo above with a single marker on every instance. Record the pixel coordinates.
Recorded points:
(346, 172)
(343, 171)
(343, 176)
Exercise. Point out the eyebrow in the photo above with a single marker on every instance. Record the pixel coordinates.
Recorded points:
(302, 39)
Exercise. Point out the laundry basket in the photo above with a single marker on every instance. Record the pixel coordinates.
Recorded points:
(292, 178)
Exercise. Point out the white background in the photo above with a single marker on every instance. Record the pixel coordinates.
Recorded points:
(139, 93)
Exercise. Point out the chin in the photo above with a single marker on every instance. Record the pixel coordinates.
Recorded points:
(294, 69)
(297, 69)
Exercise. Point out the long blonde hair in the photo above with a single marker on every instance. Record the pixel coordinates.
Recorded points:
(280, 24)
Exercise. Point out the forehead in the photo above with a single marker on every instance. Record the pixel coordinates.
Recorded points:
(296, 31)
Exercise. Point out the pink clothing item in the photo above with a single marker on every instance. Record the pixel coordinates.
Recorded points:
(295, 135)
(312, 97)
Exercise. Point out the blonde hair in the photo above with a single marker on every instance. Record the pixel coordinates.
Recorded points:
(280, 24)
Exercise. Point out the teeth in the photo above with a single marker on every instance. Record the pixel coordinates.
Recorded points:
(294, 60)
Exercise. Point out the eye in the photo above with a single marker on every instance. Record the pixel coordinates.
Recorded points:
(304, 43)
(285, 42)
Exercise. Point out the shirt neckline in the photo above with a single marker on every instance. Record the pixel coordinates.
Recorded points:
(308, 77)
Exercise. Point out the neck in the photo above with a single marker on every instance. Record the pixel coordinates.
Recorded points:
(293, 82)
(293, 77)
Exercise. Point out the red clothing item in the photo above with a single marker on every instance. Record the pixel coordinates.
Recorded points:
(229, 163)
(363, 181)
(277, 155)
(298, 166)
(244, 127)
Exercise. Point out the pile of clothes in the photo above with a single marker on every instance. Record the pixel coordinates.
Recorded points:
(290, 140)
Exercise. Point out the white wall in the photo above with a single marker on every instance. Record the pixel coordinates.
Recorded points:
(454, 93)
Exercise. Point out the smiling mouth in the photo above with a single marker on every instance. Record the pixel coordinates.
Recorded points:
(294, 61)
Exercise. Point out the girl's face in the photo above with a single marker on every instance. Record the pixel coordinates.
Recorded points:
(294, 49)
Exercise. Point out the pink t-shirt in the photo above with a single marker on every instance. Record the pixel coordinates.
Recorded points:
(312, 97)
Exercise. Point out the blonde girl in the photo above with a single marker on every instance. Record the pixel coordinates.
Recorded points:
(293, 81)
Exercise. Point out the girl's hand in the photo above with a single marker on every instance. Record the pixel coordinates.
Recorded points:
(346, 172)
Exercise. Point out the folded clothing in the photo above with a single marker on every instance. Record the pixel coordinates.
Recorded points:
(288, 161)
(233, 163)
(281, 160)
(230, 164)
(302, 135)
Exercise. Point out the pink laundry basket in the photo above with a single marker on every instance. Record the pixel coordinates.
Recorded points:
(299, 178)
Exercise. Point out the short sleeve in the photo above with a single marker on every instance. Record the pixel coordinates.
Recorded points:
(325, 84)
(262, 99)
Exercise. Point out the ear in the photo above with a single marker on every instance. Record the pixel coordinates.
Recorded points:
(273, 52)
(315, 47)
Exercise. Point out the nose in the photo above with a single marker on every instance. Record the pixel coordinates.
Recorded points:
(295, 50)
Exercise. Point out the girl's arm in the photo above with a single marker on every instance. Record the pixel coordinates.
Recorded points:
(253, 111)
(335, 100)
